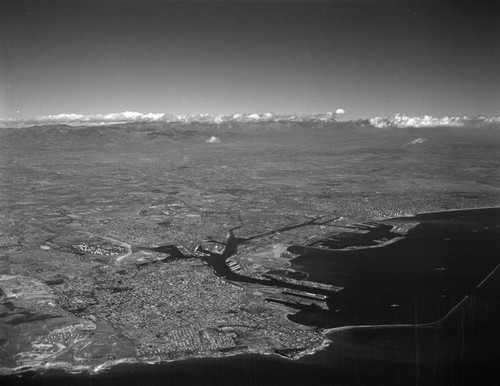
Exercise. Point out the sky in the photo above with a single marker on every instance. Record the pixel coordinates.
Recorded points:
(369, 57)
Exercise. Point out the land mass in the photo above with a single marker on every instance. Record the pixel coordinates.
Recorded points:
(118, 246)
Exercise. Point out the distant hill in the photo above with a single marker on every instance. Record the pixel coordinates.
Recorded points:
(168, 129)
(160, 131)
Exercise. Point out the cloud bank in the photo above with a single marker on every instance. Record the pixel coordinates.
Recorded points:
(395, 121)
(404, 121)
(132, 116)
(126, 116)
(88, 120)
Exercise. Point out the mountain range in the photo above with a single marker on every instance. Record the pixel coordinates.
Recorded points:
(276, 120)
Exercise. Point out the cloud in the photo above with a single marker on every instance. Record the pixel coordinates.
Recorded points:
(417, 141)
(404, 121)
(253, 117)
(490, 121)
(63, 118)
(213, 139)
(396, 121)
(87, 120)
(126, 116)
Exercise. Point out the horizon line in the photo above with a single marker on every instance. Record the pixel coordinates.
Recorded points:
(396, 120)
